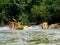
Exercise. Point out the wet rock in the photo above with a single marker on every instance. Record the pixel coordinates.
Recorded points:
(54, 26)
(44, 25)
(18, 25)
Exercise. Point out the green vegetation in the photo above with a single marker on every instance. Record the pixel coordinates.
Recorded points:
(29, 11)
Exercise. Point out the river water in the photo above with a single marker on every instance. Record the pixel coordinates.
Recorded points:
(34, 36)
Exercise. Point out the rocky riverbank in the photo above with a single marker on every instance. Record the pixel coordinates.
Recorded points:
(45, 25)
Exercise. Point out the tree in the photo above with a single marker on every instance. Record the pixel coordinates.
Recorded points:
(40, 11)
(23, 18)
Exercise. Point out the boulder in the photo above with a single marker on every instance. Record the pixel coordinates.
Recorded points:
(54, 26)
(18, 25)
(44, 25)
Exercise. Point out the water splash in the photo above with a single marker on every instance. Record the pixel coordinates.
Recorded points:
(33, 36)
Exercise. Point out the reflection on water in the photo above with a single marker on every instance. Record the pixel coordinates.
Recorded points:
(30, 37)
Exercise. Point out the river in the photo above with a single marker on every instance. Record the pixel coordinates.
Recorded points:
(35, 36)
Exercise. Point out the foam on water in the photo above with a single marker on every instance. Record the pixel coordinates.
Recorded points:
(31, 36)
